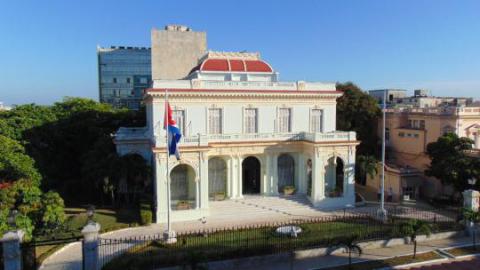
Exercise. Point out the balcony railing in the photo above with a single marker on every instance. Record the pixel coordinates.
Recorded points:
(204, 140)
(135, 134)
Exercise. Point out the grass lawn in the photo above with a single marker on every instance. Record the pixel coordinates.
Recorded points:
(76, 218)
(461, 251)
(240, 243)
(368, 265)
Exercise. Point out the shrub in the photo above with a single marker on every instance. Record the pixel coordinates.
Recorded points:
(146, 216)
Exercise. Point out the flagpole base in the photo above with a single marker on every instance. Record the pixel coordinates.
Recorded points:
(382, 214)
(170, 237)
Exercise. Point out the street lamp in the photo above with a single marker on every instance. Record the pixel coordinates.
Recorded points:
(12, 219)
(90, 214)
(472, 181)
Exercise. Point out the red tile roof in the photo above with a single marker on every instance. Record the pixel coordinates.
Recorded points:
(238, 65)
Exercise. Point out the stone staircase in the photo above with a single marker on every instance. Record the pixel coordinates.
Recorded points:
(261, 209)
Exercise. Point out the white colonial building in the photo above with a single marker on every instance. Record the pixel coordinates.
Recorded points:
(244, 133)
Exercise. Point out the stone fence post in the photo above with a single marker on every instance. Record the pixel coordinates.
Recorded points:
(471, 201)
(90, 246)
(12, 255)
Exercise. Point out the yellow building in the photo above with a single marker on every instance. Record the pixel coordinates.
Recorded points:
(410, 130)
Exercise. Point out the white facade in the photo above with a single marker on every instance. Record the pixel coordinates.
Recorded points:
(244, 132)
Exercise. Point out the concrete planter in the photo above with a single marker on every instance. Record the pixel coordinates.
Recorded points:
(288, 190)
(219, 196)
(183, 205)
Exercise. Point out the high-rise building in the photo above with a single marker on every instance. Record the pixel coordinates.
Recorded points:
(123, 75)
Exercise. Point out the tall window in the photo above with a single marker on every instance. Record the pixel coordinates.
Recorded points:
(316, 120)
(214, 121)
(284, 120)
(422, 124)
(250, 118)
(179, 117)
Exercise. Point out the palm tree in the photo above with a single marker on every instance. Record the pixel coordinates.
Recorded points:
(414, 227)
(471, 217)
(349, 243)
(367, 165)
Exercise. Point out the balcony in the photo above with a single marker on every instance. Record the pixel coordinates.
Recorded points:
(205, 140)
(128, 135)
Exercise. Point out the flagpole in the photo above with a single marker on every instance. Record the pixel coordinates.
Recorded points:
(383, 212)
(169, 235)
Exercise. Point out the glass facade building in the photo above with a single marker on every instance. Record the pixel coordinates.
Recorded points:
(123, 75)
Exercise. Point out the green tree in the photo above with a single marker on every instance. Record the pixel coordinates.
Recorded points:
(15, 163)
(357, 111)
(449, 163)
(36, 210)
(74, 153)
(367, 165)
(15, 122)
(52, 211)
(412, 228)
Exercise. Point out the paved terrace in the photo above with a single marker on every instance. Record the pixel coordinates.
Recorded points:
(228, 213)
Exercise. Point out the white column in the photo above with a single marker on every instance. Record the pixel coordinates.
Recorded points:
(477, 140)
(318, 179)
(197, 194)
(229, 178)
(274, 174)
(203, 179)
(239, 173)
(160, 189)
(264, 172)
(300, 174)
(268, 174)
(234, 176)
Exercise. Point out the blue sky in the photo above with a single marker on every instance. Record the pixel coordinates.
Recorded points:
(48, 48)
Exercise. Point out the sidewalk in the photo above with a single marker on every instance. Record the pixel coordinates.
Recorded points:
(325, 262)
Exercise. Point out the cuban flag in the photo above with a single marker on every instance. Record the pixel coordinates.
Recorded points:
(174, 133)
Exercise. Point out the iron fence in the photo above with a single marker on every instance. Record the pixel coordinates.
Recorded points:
(36, 250)
(193, 247)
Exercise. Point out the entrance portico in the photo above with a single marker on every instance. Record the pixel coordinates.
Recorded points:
(322, 174)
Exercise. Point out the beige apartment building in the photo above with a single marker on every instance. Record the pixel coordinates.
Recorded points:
(408, 132)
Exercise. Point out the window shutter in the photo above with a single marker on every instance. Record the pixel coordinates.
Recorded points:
(250, 120)
(316, 120)
(215, 121)
(179, 117)
(284, 121)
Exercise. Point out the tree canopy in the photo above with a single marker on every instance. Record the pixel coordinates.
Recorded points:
(357, 111)
(69, 145)
(65, 147)
(15, 163)
(449, 162)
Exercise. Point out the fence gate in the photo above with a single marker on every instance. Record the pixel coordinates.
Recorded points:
(35, 251)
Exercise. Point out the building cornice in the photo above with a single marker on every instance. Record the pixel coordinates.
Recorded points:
(154, 94)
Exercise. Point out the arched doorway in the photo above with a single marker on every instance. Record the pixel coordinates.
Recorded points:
(334, 177)
(286, 171)
(217, 177)
(251, 175)
(182, 187)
